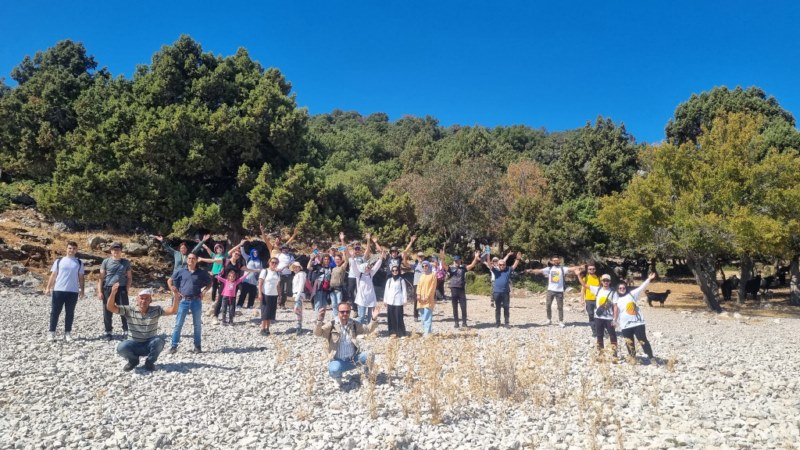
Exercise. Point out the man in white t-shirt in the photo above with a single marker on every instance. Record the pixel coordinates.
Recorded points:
(66, 284)
(556, 278)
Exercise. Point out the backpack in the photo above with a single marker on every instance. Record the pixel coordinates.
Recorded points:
(308, 287)
(80, 264)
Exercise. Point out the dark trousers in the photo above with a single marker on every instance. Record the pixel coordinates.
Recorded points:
(416, 310)
(247, 291)
(132, 350)
(286, 288)
(352, 287)
(559, 296)
(61, 299)
(602, 325)
(228, 308)
(440, 290)
(590, 304)
(640, 334)
(501, 300)
(394, 314)
(216, 286)
(122, 299)
(458, 296)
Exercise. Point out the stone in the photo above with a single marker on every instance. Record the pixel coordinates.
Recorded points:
(135, 249)
(96, 241)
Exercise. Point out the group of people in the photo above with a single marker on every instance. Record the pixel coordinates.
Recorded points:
(345, 277)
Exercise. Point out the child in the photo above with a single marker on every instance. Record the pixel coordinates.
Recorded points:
(299, 290)
(228, 297)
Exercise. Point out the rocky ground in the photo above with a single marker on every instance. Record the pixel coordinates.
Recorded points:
(718, 381)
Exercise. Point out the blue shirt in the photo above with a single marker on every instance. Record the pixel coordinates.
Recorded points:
(189, 283)
(502, 280)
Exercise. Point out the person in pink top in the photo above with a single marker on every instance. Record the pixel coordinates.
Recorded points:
(229, 294)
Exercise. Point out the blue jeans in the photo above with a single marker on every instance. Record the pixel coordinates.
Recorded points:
(336, 298)
(364, 314)
(427, 320)
(132, 350)
(320, 300)
(196, 306)
(339, 366)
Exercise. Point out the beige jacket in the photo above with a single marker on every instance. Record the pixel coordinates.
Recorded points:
(331, 331)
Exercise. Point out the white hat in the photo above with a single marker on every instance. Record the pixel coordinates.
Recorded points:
(147, 292)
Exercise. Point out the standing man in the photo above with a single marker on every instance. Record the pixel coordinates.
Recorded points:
(144, 325)
(115, 269)
(285, 261)
(66, 283)
(556, 275)
(355, 259)
(457, 273)
(588, 295)
(181, 256)
(190, 284)
(501, 289)
(341, 338)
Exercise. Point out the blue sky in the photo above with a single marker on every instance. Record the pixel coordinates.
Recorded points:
(543, 64)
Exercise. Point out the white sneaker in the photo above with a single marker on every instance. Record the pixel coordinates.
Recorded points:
(51, 336)
(215, 321)
(124, 335)
(562, 324)
(547, 322)
(67, 337)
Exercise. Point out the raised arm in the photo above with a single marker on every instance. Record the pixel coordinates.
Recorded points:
(577, 272)
(377, 266)
(111, 306)
(377, 246)
(166, 246)
(291, 238)
(201, 244)
(517, 259)
(265, 238)
(508, 256)
(475, 260)
(367, 248)
(636, 292)
(408, 247)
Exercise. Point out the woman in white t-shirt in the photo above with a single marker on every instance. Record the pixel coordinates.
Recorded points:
(268, 291)
(604, 309)
(629, 317)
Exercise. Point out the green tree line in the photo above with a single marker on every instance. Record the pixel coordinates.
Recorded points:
(197, 142)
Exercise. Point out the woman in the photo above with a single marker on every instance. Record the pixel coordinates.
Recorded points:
(394, 296)
(426, 297)
(268, 291)
(221, 266)
(365, 290)
(338, 282)
(629, 318)
(602, 309)
(320, 277)
(249, 289)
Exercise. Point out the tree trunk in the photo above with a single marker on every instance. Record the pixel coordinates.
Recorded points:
(705, 273)
(794, 282)
(745, 275)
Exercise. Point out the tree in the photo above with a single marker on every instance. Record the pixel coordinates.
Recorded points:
(390, 217)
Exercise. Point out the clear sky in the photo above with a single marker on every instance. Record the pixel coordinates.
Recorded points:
(550, 64)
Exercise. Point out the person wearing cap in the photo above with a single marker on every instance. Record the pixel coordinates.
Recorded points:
(556, 282)
(589, 299)
(298, 292)
(355, 259)
(189, 284)
(180, 256)
(426, 296)
(114, 270)
(604, 310)
(397, 258)
(501, 288)
(457, 272)
(143, 321)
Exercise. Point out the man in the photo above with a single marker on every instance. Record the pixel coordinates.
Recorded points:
(180, 256)
(143, 321)
(357, 258)
(190, 284)
(555, 287)
(341, 338)
(66, 283)
(285, 261)
(501, 289)
(113, 270)
(457, 273)
(588, 295)
(274, 245)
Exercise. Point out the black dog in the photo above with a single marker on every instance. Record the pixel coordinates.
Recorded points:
(660, 297)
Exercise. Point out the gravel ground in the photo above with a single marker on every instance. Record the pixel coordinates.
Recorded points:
(717, 381)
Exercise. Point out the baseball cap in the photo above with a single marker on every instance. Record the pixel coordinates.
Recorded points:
(606, 277)
(116, 245)
(148, 292)
(457, 258)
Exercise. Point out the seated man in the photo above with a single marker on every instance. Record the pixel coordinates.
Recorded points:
(143, 326)
(341, 337)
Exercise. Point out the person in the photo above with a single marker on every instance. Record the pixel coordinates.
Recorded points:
(285, 261)
(438, 268)
(457, 272)
(588, 295)
(299, 293)
(501, 288)
(189, 284)
(340, 336)
(274, 245)
(180, 257)
(495, 260)
(426, 297)
(222, 264)
(416, 267)
(365, 292)
(394, 297)
(269, 289)
(143, 321)
(603, 313)
(338, 282)
(356, 258)
(320, 277)
(228, 294)
(115, 269)
(629, 317)
(217, 260)
(555, 287)
(248, 289)
(66, 284)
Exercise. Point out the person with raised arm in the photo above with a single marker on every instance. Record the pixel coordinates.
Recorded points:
(629, 317)
(603, 312)
(338, 281)
(501, 289)
(230, 261)
(457, 272)
(180, 257)
(249, 289)
(426, 297)
(556, 281)
(365, 293)
(269, 289)
(274, 245)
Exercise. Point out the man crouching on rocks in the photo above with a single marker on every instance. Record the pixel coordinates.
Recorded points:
(341, 336)
(143, 326)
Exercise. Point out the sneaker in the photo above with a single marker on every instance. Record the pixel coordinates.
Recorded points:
(51, 336)
(299, 331)
(264, 332)
(67, 337)
(456, 325)
(464, 324)
(124, 335)
(172, 350)
(109, 336)
(547, 322)
(197, 349)
(215, 321)
(561, 324)
(149, 366)
(497, 325)
(128, 367)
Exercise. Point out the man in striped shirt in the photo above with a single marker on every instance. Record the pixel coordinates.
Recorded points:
(143, 326)
(341, 335)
